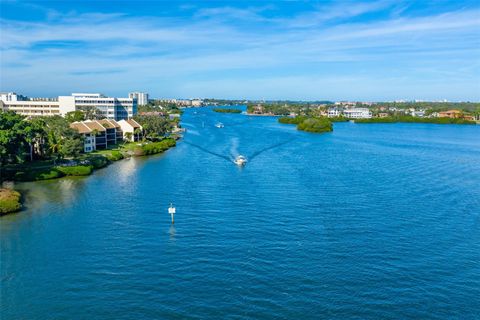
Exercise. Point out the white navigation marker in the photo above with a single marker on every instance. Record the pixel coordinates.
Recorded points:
(172, 211)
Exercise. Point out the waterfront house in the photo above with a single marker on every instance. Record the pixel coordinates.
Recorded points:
(334, 112)
(417, 113)
(130, 129)
(357, 113)
(450, 114)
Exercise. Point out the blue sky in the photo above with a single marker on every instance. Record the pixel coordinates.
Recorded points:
(299, 50)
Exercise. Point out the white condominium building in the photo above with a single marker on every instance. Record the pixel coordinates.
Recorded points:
(110, 108)
(142, 97)
(357, 113)
(334, 112)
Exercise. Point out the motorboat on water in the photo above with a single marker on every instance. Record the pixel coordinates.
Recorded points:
(240, 161)
(219, 125)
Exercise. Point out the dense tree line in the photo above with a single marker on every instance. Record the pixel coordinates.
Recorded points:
(154, 127)
(158, 106)
(39, 138)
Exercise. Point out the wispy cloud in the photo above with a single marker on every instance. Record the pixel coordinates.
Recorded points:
(178, 55)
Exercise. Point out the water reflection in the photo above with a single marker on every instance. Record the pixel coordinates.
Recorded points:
(172, 231)
(62, 192)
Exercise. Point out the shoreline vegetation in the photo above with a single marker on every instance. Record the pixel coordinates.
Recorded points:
(411, 119)
(44, 148)
(225, 110)
(10, 201)
(309, 124)
(84, 164)
(380, 112)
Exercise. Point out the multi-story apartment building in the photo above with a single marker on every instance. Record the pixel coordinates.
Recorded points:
(142, 97)
(357, 113)
(100, 134)
(29, 107)
(334, 112)
(107, 107)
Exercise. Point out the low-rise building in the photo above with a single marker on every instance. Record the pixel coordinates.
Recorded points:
(98, 134)
(130, 129)
(113, 131)
(94, 137)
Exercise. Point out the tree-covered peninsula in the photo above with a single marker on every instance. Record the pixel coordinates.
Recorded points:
(309, 124)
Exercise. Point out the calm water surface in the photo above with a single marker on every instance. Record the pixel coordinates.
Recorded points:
(367, 222)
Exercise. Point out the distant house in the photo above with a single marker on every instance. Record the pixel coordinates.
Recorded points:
(383, 115)
(357, 113)
(450, 114)
(130, 128)
(417, 113)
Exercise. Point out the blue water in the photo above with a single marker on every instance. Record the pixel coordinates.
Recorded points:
(371, 221)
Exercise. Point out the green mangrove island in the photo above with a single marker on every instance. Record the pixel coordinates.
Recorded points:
(10, 201)
(309, 124)
(223, 110)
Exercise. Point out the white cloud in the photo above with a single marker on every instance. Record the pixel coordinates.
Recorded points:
(152, 50)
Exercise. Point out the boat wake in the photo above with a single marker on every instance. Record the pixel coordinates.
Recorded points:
(277, 145)
(234, 150)
(208, 151)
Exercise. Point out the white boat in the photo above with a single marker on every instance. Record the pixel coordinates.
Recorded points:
(219, 125)
(240, 161)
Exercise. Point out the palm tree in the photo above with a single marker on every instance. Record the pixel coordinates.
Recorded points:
(54, 146)
(137, 132)
(128, 136)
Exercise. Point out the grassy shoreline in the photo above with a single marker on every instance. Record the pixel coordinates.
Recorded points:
(10, 201)
(84, 165)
